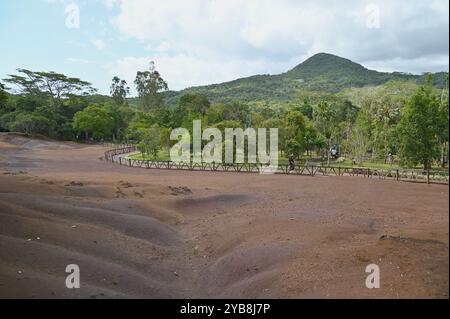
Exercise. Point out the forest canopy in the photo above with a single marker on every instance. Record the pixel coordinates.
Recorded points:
(337, 103)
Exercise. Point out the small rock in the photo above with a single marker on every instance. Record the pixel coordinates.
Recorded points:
(73, 183)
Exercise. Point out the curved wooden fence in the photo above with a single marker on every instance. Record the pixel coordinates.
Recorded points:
(109, 155)
(410, 175)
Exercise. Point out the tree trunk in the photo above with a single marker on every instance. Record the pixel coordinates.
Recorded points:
(425, 164)
(443, 148)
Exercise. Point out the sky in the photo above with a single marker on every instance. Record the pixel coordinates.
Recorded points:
(199, 42)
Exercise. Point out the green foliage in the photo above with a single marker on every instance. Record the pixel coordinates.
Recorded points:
(119, 91)
(324, 101)
(3, 98)
(419, 128)
(295, 134)
(57, 86)
(150, 141)
(359, 137)
(322, 73)
(149, 85)
(197, 103)
(29, 123)
(96, 120)
(137, 125)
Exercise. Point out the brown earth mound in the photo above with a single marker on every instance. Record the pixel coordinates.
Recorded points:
(222, 235)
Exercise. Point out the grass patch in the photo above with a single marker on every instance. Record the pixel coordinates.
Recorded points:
(164, 156)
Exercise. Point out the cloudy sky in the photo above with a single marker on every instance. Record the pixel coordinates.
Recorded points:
(197, 42)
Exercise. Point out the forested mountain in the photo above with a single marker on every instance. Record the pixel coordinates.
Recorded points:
(321, 72)
(324, 101)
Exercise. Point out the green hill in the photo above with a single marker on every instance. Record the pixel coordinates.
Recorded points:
(321, 72)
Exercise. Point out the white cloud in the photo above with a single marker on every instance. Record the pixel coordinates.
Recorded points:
(164, 46)
(200, 42)
(431, 63)
(109, 3)
(181, 71)
(78, 60)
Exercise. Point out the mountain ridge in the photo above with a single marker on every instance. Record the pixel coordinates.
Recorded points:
(320, 72)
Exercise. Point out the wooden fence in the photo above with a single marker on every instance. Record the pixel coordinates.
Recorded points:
(415, 175)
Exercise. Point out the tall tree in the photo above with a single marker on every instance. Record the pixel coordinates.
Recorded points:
(149, 85)
(295, 133)
(95, 120)
(119, 90)
(359, 138)
(386, 113)
(419, 129)
(3, 98)
(150, 142)
(30, 123)
(195, 102)
(324, 116)
(444, 130)
(55, 85)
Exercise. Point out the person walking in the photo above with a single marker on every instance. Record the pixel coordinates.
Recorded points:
(291, 163)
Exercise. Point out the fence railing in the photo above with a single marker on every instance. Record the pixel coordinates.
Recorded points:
(416, 175)
(109, 155)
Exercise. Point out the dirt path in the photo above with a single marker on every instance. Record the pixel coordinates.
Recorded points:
(177, 234)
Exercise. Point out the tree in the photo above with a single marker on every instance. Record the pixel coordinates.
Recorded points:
(55, 85)
(119, 90)
(419, 128)
(29, 103)
(150, 142)
(295, 130)
(149, 85)
(384, 108)
(165, 140)
(359, 138)
(3, 98)
(306, 109)
(96, 119)
(309, 139)
(140, 122)
(29, 123)
(444, 130)
(195, 102)
(325, 120)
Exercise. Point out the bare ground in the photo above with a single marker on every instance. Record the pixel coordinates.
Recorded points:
(179, 234)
